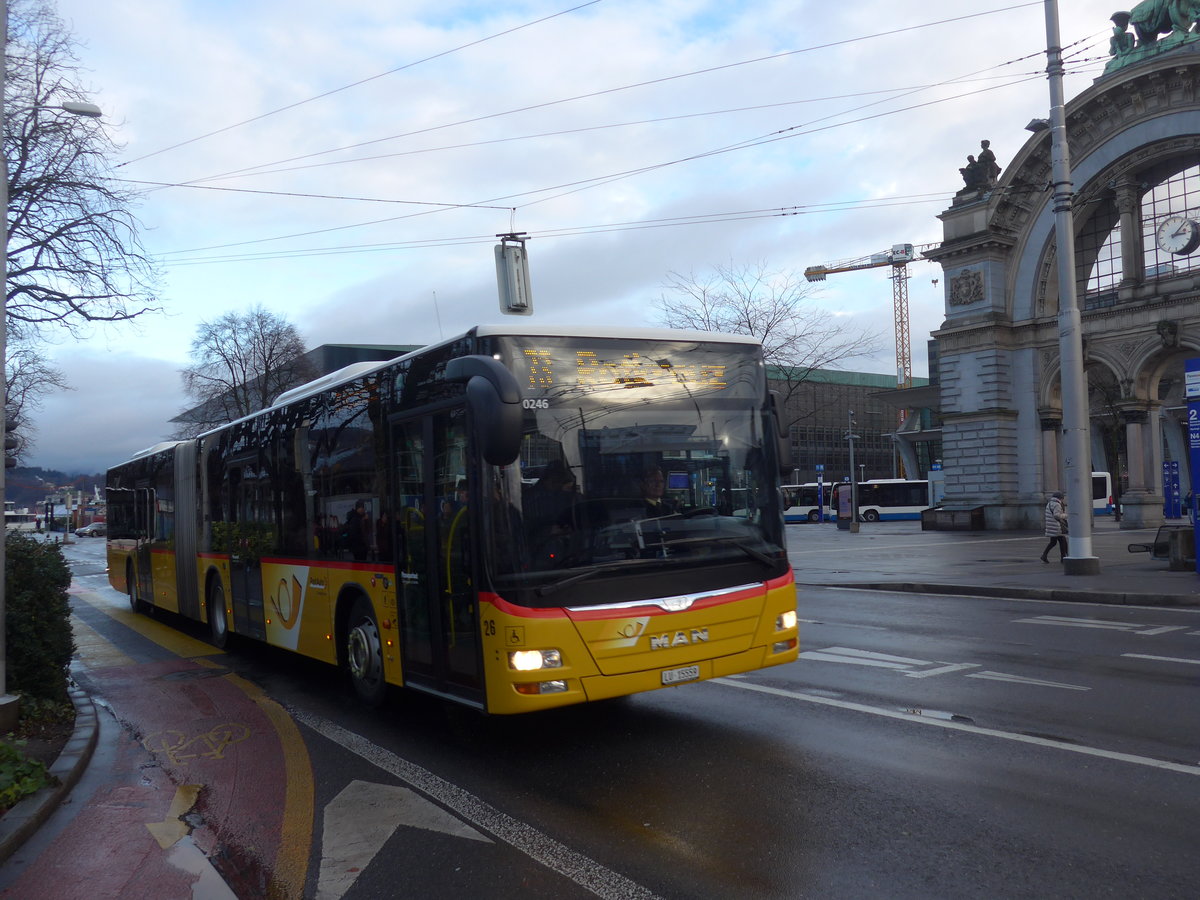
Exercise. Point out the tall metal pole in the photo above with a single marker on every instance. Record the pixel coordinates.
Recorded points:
(1077, 464)
(8, 705)
(850, 436)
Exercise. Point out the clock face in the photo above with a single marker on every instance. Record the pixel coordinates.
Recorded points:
(1178, 235)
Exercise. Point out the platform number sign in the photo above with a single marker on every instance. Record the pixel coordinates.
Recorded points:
(1192, 392)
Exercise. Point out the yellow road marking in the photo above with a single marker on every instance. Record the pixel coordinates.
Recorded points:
(170, 830)
(93, 649)
(163, 635)
(295, 838)
(212, 744)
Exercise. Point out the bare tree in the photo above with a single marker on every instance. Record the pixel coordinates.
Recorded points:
(797, 337)
(28, 378)
(240, 364)
(74, 256)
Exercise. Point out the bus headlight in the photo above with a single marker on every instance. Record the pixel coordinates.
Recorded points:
(532, 660)
(786, 620)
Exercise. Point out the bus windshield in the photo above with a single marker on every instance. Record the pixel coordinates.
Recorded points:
(641, 461)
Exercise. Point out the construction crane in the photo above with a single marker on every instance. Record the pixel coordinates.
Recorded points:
(898, 258)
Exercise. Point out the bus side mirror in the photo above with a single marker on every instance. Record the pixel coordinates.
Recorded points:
(495, 403)
(783, 449)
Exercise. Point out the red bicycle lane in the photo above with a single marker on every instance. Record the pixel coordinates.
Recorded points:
(205, 780)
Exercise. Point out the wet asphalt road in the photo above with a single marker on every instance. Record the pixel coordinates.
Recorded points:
(921, 747)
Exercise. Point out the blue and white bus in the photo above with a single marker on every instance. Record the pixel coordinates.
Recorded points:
(887, 499)
(806, 502)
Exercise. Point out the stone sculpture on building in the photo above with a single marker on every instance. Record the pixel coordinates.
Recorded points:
(1150, 20)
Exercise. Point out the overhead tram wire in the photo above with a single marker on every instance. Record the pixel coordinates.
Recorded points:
(600, 180)
(579, 230)
(362, 81)
(773, 137)
(581, 130)
(784, 133)
(603, 179)
(301, 194)
(825, 46)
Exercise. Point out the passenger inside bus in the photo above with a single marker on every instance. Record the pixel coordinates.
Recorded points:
(549, 508)
(356, 532)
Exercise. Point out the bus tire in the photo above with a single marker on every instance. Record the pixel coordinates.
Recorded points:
(814, 516)
(135, 605)
(871, 515)
(364, 653)
(218, 623)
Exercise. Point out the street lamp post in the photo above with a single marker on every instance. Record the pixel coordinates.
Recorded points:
(850, 436)
(1077, 464)
(8, 704)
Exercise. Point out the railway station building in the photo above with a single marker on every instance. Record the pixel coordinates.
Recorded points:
(1134, 145)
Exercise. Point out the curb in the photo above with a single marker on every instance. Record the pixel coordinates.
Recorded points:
(23, 820)
(1021, 593)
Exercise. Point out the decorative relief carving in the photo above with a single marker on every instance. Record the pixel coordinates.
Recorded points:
(966, 288)
(1128, 348)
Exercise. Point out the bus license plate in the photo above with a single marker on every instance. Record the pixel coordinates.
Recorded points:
(677, 676)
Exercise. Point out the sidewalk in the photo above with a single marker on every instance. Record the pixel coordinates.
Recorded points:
(900, 556)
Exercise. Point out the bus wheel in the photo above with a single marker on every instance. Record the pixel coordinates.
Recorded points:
(871, 515)
(364, 654)
(814, 516)
(218, 625)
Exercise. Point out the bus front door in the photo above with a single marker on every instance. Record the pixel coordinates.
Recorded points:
(438, 612)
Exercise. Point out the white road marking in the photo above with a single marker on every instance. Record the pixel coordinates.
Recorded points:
(1033, 601)
(1193, 662)
(359, 821)
(187, 857)
(1073, 622)
(1076, 622)
(903, 664)
(942, 670)
(541, 848)
(862, 658)
(1017, 679)
(1162, 629)
(962, 726)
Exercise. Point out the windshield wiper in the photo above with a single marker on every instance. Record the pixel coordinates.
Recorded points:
(547, 589)
(755, 553)
(584, 574)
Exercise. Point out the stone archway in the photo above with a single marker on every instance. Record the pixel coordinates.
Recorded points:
(1134, 139)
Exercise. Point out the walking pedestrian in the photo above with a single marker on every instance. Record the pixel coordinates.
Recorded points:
(1055, 517)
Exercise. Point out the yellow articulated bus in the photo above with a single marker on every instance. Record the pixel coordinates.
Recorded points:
(512, 519)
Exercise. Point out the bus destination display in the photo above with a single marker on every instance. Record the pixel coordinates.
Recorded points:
(548, 370)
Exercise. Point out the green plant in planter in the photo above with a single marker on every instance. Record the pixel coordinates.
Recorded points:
(38, 618)
(19, 775)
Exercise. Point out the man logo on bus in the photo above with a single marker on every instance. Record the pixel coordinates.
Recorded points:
(678, 639)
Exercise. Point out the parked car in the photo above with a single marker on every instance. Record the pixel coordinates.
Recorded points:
(96, 529)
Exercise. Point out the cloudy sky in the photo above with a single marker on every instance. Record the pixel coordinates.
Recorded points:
(348, 165)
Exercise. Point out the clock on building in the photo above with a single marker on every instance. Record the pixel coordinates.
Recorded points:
(1178, 235)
